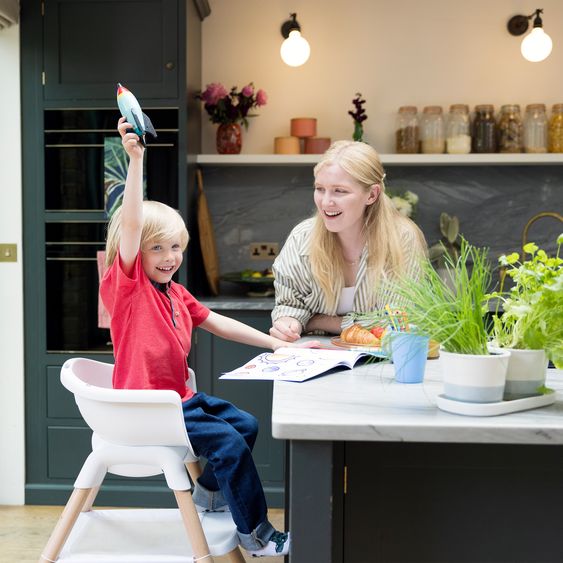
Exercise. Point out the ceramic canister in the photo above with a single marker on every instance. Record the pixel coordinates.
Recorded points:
(316, 145)
(287, 145)
(303, 126)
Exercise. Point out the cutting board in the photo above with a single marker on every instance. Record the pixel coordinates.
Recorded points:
(207, 237)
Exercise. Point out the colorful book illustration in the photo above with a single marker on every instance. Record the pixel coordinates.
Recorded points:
(295, 364)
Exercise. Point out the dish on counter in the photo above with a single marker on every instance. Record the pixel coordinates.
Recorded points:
(255, 283)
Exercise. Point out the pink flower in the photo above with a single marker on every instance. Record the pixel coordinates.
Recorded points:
(261, 98)
(213, 93)
(248, 90)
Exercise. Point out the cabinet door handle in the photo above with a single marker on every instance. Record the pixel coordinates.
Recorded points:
(169, 65)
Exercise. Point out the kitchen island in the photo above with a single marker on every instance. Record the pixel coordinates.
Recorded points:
(377, 473)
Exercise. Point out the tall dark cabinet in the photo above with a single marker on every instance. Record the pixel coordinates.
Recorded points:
(73, 52)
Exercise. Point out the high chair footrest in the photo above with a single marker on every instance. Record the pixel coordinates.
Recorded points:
(143, 535)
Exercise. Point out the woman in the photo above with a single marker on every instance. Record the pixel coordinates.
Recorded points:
(339, 261)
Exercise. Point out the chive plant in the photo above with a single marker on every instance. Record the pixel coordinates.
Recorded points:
(452, 310)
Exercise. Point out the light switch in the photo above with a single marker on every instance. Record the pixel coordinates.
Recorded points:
(8, 252)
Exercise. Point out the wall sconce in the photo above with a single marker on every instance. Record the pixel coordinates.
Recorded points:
(537, 45)
(295, 49)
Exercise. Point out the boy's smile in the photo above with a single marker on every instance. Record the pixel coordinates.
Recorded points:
(161, 260)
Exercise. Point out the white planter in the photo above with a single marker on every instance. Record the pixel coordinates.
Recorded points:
(526, 372)
(474, 378)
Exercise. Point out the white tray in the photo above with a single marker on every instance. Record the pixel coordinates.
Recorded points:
(494, 409)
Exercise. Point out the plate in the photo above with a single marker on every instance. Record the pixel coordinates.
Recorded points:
(254, 287)
(359, 347)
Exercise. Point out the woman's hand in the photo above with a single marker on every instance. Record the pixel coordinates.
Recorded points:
(287, 329)
(130, 141)
(328, 323)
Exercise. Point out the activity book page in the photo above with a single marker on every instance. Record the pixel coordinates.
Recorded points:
(294, 364)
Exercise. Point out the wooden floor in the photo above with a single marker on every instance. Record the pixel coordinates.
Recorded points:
(24, 531)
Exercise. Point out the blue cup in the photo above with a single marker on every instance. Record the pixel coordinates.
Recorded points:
(408, 353)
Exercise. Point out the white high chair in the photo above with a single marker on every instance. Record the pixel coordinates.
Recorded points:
(137, 433)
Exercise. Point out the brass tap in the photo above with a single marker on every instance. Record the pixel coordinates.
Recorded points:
(553, 214)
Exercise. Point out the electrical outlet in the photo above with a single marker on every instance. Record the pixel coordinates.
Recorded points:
(264, 250)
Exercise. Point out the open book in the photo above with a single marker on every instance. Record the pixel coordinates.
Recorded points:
(295, 364)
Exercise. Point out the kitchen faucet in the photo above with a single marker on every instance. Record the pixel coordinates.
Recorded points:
(553, 214)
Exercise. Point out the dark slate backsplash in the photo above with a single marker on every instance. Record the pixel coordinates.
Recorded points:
(493, 203)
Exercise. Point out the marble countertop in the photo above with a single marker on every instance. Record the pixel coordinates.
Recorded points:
(366, 404)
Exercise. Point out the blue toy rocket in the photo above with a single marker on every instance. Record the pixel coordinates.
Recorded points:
(131, 111)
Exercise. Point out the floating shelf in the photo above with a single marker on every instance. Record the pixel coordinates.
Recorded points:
(519, 159)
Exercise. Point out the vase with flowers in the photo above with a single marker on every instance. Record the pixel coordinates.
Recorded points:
(359, 116)
(230, 109)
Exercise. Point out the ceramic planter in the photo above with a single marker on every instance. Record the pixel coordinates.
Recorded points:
(474, 378)
(526, 372)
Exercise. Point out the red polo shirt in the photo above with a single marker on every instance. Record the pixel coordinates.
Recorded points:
(151, 330)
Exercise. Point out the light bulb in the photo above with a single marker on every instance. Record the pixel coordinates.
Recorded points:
(536, 46)
(295, 49)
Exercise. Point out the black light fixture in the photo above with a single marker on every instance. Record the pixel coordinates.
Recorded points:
(295, 49)
(537, 45)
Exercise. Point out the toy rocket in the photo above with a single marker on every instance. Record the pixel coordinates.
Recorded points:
(131, 111)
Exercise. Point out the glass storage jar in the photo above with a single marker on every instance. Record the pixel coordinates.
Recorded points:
(509, 129)
(406, 133)
(484, 129)
(535, 128)
(458, 136)
(432, 130)
(556, 129)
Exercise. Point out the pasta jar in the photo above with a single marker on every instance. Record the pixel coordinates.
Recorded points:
(484, 129)
(432, 130)
(458, 136)
(556, 129)
(535, 128)
(509, 129)
(406, 133)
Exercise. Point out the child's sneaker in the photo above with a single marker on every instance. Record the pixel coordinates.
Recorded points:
(277, 545)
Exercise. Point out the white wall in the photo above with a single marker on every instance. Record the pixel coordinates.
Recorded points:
(12, 445)
(395, 52)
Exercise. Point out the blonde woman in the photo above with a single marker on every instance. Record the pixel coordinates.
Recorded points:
(338, 262)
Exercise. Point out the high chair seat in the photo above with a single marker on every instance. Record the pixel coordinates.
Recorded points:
(136, 433)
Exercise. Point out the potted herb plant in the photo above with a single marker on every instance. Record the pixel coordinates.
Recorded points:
(531, 325)
(454, 315)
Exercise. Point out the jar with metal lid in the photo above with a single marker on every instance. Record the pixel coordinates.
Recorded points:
(556, 129)
(509, 129)
(535, 128)
(406, 132)
(458, 136)
(432, 133)
(484, 129)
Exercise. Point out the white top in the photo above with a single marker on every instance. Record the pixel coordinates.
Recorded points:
(367, 404)
(346, 301)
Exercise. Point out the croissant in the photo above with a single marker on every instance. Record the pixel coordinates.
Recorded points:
(357, 334)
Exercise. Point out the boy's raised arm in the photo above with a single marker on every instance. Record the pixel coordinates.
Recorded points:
(132, 206)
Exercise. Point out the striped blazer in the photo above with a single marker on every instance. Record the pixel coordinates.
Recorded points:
(298, 295)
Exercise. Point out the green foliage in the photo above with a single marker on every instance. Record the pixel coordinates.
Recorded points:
(533, 308)
(449, 244)
(451, 312)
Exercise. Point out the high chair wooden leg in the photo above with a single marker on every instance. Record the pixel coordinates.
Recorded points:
(194, 469)
(235, 556)
(193, 526)
(90, 500)
(63, 527)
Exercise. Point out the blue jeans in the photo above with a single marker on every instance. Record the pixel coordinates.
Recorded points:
(225, 436)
